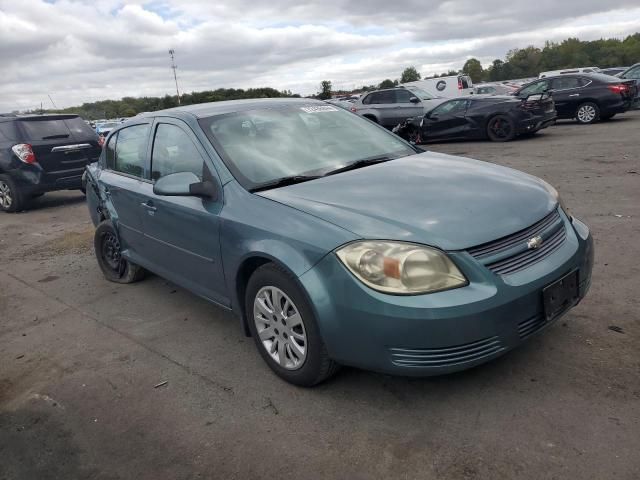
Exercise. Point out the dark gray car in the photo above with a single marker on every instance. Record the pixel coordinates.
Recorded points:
(393, 106)
(633, 73)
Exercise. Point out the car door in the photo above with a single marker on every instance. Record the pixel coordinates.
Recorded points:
(122, 178)
(183, 233)
(447, 120)
(384, 105)
(405, 108)
(566, 92)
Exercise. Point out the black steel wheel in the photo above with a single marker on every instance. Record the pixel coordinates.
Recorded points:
(109, 255)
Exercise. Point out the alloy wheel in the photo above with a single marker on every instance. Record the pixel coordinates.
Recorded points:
(500, 128)
(280, 327)
(5, 195)
(586, 113)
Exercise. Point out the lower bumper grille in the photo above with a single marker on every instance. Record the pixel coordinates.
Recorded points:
(448, 356)
(530, 326)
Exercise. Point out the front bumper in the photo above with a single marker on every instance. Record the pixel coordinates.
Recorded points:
(536, 122)
(446, 331)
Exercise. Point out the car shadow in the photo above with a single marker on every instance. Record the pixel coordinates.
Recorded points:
(57, 199)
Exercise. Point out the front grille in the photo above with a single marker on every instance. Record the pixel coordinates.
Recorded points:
(448, 356)
(530, 326)
(511, 254)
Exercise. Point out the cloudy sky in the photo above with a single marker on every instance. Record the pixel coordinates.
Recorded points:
(85, 50)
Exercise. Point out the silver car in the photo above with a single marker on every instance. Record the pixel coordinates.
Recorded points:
(393, 106)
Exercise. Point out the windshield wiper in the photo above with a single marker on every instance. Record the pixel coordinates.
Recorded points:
(284, 181)
(359, 164)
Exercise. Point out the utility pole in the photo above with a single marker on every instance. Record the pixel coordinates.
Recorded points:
(174, 67)
(54, 105)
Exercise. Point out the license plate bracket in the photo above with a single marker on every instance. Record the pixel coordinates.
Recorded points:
(560, 295)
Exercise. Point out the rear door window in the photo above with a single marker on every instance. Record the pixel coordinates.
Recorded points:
(131, 150)
(380, 98)
(565, 83)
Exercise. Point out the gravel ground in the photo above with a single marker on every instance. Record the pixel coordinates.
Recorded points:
(80, 359)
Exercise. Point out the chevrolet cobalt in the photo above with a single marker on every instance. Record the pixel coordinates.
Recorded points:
(334, 241)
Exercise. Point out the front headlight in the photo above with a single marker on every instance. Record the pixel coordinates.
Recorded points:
(401, 268)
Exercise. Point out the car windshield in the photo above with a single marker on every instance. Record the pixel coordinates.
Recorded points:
(418, 92)
(108, 125)
(263, 146)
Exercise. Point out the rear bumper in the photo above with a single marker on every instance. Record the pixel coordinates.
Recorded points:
(32, 179)
(536, 122)
(442, 332)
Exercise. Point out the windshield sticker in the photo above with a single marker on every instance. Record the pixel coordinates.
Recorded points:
(320, 108)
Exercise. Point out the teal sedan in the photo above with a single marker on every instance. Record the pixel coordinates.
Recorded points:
(334, 241)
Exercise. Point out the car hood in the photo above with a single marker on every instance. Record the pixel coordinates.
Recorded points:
(441, 200)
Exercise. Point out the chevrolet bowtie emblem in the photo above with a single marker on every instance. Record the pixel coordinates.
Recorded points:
(534, 243)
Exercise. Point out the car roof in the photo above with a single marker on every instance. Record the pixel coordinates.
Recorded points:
(203, 110)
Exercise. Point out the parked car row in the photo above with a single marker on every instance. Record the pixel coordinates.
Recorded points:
(417, 116)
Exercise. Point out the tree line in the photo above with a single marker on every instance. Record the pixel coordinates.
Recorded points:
(130, 106)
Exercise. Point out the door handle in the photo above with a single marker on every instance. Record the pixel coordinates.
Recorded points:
(574, 95)
(149, 206)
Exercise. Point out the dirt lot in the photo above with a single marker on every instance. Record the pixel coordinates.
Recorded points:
(79, 359)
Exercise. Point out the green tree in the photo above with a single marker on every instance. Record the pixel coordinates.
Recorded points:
(473, 68)
(388, 83)
(325, 90)
(410, 74)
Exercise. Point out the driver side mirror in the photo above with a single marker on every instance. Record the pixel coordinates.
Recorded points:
(414, 100)
(185, 184)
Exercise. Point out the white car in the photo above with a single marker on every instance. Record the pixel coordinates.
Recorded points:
(447, 87)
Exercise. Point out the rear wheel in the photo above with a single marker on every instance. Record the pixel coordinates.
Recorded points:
(588, 112)
(284, 328)
(108, 253)
(12, 199)
(501, 129)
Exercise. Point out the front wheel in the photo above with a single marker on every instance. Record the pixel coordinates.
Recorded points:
(588, 112)
(108, 253)
(284, 328)
(501, 129)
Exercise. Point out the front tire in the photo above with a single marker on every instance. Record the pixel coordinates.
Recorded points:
(114, 267)
(12, 199)
(501, 129)
(587, 112)
(283, 326)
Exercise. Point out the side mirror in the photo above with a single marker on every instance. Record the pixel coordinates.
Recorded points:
(185, 184)
(414, 100)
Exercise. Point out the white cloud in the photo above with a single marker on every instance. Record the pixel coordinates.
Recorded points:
(81, 50)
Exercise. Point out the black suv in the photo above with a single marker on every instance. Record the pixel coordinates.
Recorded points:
(42, 153)
(587, 97)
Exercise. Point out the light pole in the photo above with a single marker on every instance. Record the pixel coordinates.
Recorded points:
(174, 67)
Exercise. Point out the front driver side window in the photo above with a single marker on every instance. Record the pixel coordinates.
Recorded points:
(634, 73)
(538, 87)
(449, 107)
(174, 152)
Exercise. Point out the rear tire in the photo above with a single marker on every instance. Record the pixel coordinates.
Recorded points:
(107, 247)
(12, 199)
(587, 112)
(501, 129)
(291, 325)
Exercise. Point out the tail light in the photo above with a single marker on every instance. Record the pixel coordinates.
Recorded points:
(101, 140)
(353, 109)
(24, 152)
(619, 88)
(460, 87)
